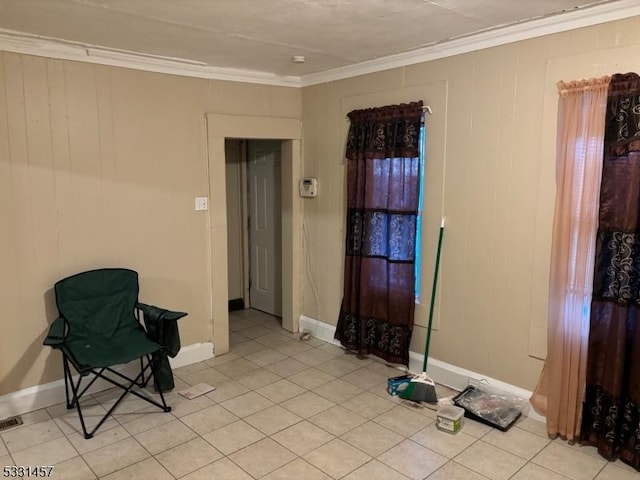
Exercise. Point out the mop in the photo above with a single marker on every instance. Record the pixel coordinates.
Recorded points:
(421, 388)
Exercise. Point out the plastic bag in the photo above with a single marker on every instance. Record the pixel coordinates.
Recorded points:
(489, 405)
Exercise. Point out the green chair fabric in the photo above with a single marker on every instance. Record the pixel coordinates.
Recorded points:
(98, 328)
(162, 327)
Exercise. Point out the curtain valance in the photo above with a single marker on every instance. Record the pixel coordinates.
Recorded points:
(385, 132)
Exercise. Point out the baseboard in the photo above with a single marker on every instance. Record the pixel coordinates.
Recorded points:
(194, 353)
(45, 395)
(458, 378)
(318, 329)
(441, 372)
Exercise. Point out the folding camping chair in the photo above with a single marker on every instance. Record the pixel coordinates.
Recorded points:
(98, 328)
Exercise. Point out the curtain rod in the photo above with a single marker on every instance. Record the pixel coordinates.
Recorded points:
(425, 109)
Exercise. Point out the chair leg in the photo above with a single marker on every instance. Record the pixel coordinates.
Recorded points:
(142, 382)
(165, 407)
(66, 382)
(76, 398)
(77, 394)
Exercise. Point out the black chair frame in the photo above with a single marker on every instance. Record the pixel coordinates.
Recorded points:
(74, 395)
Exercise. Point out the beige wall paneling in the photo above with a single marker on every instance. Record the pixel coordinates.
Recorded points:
(475, 202)
(41, 196)
(23, 366)
(76, 205)
(9, 371)
(499, 187)
(99, 167)
(160, 168)
(62, 177)
(505, 186)
(220, 127)
(322, 234)
(11, 294)
(85, 163)
(519, 232)
(619, 34)
(455, 253)
(253, 100)
(109, 206)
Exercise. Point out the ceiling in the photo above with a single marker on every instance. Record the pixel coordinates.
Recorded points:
(263, 35)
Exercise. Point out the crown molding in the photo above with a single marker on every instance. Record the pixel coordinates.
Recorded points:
(18, 42)
(583, 17)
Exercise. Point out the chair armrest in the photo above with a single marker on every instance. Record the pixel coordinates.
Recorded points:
(57, 332)
(162, 327)
(153, 313)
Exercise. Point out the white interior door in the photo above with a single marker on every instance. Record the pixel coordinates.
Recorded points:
(265, 237)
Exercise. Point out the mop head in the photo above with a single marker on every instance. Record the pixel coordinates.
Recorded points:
(420, 389)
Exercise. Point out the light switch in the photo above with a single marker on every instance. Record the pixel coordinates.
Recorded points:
(202, 203)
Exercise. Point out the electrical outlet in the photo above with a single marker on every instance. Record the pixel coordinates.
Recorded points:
(202, 203)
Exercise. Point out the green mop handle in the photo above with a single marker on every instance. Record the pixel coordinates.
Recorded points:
(433, 297)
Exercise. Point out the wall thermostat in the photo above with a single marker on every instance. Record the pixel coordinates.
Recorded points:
(309, 187)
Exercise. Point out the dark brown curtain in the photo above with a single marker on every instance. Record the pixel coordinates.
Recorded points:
(611, 412)
(383, 188)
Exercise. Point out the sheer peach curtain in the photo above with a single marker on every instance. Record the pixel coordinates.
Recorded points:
(581, 120)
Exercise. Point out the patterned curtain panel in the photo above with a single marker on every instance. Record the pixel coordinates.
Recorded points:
(383, 188)
(611, 414)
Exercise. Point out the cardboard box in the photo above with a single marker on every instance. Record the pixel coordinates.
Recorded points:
(396, 384)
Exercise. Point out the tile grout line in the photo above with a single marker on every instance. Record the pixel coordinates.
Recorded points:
(544, 468)
(77, 451)
(515, 454)
(451, 460)
(600, 471)
(22, 427)
(339, 376)
(306, 419)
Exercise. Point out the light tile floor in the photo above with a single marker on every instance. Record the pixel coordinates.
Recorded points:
(290, 409)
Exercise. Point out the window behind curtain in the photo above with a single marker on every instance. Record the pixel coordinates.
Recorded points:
(418, 266)
(580, 140)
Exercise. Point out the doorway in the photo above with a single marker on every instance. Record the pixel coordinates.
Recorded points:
(288, 132)
(254, 224)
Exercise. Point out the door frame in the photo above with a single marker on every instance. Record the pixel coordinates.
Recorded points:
(289, 131)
